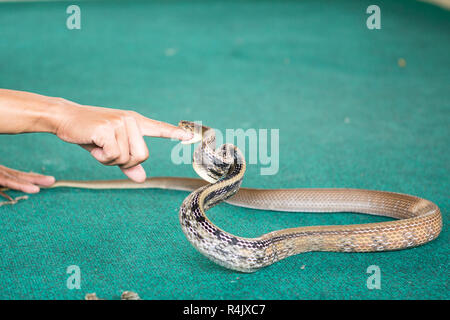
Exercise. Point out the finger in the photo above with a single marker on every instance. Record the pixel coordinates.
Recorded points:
(107, 150)
(35, 178)
(154, 128)
(32, 177)
(137, 146)
(136, 173)
(123, 143)
(16, 183)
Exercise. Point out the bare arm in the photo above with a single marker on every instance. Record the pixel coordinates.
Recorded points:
(113, 137)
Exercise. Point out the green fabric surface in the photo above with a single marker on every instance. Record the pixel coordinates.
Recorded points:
(348, 114)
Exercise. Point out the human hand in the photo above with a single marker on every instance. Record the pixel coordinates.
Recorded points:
(28, 182)
(113, 137)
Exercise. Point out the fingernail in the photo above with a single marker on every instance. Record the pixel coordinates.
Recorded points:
(50, 180)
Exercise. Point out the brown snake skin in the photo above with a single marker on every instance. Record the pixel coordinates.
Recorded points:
(419, 221)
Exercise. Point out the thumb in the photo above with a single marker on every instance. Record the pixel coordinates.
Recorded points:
(136, 173)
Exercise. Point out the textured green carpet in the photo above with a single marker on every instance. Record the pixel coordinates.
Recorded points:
(348, 116)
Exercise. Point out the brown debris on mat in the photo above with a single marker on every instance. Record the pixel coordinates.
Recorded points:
(10, 200)
(126, 295)
(91, 296)
(129, 295)
(401, 62)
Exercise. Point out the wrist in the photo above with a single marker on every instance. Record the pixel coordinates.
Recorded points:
(53, 114)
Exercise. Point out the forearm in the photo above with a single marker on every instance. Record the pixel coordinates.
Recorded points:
(22, 112)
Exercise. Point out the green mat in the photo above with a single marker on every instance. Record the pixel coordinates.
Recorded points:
(349, 116)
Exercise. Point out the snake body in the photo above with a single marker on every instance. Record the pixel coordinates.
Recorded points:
(419, 220)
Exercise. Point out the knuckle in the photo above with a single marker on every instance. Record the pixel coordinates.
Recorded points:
(130, 120)
(123, 159)
(106, 126)
(59, 100)
(112, 155)
(110, 124)
(118, 122)
(142, 155)
(132, 114)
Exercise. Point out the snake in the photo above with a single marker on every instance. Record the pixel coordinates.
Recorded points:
(416, 220)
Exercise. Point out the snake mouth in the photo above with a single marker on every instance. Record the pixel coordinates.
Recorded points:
(196, 138)
(196, 129)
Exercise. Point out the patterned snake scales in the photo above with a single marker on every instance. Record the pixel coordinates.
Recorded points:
(419, 220)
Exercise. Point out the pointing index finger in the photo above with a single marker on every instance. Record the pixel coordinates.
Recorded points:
(155, 128)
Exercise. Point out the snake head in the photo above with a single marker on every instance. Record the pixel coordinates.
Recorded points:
(197, 130)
